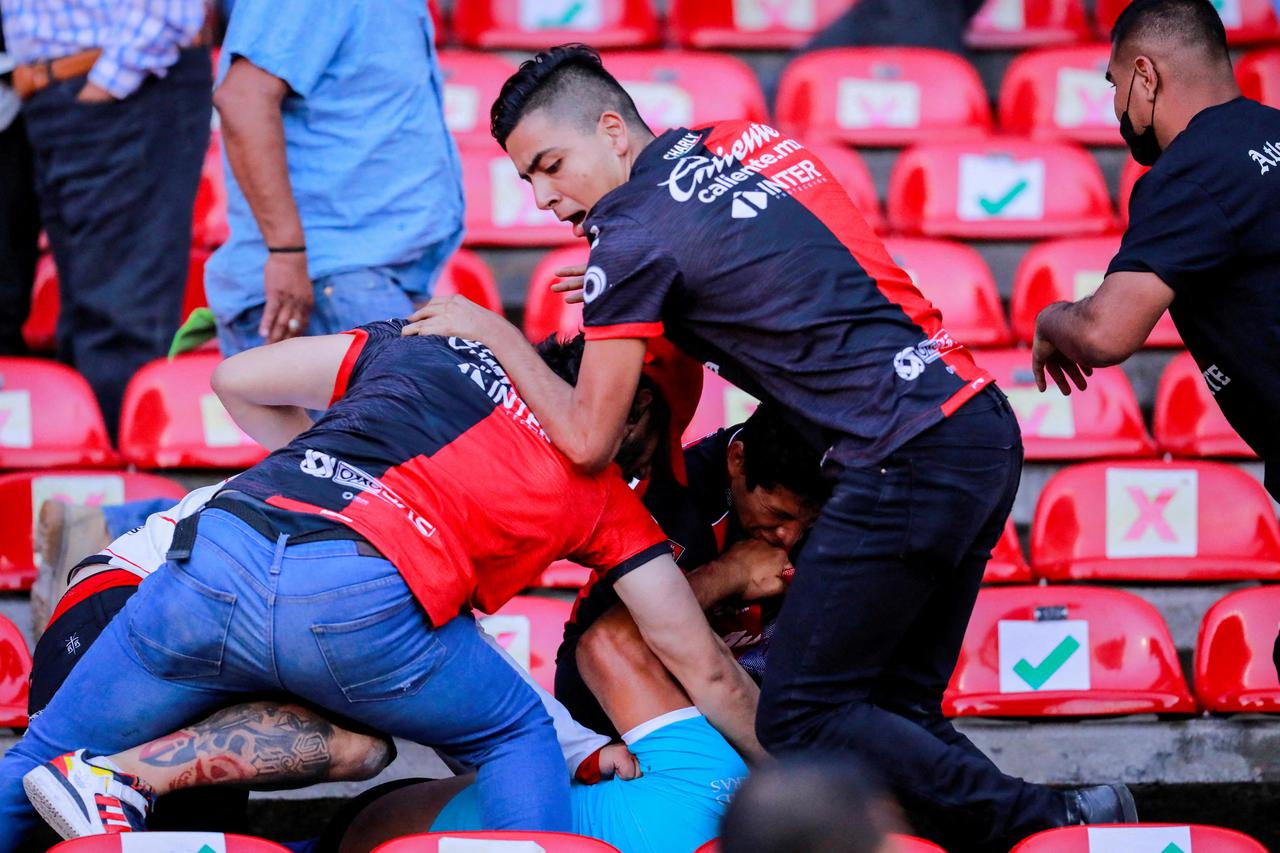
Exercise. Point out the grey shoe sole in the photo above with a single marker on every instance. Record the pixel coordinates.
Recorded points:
(54, 803)
(1128, 807)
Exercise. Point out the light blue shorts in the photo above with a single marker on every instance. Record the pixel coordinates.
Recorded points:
(690, 773)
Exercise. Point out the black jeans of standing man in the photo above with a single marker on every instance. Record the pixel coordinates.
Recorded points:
(117, 184)
(19, 235)
(873, 623)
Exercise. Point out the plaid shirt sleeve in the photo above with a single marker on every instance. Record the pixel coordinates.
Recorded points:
(145, 39)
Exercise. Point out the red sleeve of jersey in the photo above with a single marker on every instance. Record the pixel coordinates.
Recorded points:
(622, 330)
(358, 339)
(625, 535)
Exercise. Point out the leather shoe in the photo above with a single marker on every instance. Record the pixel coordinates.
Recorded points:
(1101, 804)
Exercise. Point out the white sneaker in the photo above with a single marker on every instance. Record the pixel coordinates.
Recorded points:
(78, 797)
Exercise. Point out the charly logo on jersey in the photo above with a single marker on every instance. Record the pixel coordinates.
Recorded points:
(726, 172)
(351, 479)
(1267, 158)
(683, 146)
(911, 361)
(593, 283)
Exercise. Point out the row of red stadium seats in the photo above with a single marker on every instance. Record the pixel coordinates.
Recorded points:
(784, 24)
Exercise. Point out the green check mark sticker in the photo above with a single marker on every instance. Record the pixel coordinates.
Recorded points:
(565, 19)
(1173, 848)
(1037, 675)
(993, 207)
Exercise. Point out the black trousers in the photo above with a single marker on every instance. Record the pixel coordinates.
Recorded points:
(873, 623)
(117, 183)
(19, 234)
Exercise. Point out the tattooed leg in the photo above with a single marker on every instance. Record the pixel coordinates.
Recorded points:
(257, 745)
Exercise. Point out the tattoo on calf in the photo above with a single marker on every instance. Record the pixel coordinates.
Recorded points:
(258, 744)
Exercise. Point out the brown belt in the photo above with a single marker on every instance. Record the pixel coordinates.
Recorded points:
(35, 76)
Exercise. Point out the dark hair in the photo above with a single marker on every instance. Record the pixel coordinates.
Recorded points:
(569, 75)
(1193, 22)
(807, 804)
(775, 454)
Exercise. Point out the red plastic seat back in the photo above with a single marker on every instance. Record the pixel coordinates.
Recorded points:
(530, 628)
(749, 24)
(172, 419)
(1061, 93)
(1155, 521)
(1103, 421)
(1007, 565)
(674, 88)
(1003, 24)
(1069, 270)
(209, 225)
(911, 844)
(22, 493)
(1246, 21)
(851, 173)
(550, 842)
(15, 672)
(537, 24)
(956, 279)
(49, 417)
(172, 842)
(882, 96)
(1259, 76)
(501, 209)
(1188, 421)
(722, 404)
(998, 189)
(1235, 669)
(472, 81)
(1033, 651)
(545, 312)
(466, 274)
(1162, 838)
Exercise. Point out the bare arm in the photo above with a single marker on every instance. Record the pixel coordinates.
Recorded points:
(673, 626)
(584, 421)
(1098, 331)
(267, 390)
(749, 570)
(248, 102)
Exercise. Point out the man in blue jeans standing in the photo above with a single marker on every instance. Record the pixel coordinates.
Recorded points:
(344, 191)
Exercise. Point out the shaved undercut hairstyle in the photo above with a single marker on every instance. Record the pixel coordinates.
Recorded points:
(1193, 23)
(569, 79)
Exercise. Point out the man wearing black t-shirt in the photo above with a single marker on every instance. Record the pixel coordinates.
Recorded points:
(1203, 224)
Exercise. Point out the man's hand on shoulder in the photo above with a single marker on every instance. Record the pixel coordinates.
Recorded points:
(454, 316)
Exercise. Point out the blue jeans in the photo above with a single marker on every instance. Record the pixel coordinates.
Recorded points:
(318, 621)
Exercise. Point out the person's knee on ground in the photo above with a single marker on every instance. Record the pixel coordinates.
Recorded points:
(809, 804)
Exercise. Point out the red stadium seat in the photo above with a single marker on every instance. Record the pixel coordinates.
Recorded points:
(49, 417)
(1103, 421)
(15, 673)
(712, 846)
(1128, 177)
(40, 329)
(1234, 670)
(172, 419)
(438, 22)
(501, 209)
(1061, 93)
(1155, 521)
(209, 225)
(1259, 76)
(545, 312)
(471, 82)
(956, 279)
(564, 574)
(882, 96)
(1003, 24)
(1007, 565)
(170, 842)
(722, 404)
(1188, 421)
(749, 24)
(851, 173)
(1077, 651)
(530, 628)
(548, 842)
(998, 189)
(1246, 21)
(1160, 838)
(467, 275)
(22, 494)
(676, 88)
(911, 844)
(1069, 270)
(537, 24)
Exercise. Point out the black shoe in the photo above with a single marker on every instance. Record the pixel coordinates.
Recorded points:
(1101, 804)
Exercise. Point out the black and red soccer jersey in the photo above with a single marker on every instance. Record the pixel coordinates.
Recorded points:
(737, 243)
(429, 453)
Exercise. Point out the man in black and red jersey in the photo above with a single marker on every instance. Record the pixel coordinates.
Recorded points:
(735, 242)
(342, 569)
(753, 491)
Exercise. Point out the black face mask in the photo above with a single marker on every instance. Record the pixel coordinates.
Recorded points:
(1144, 146)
